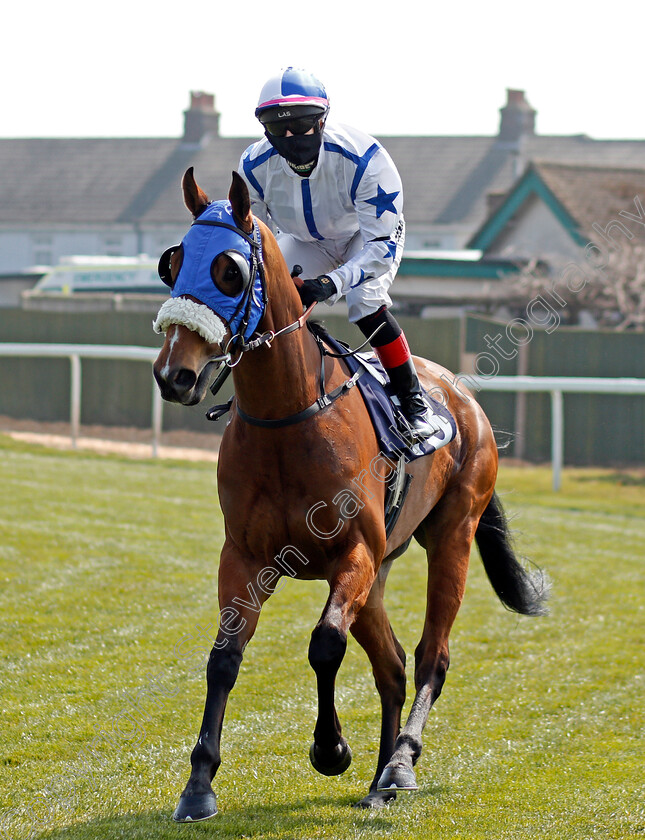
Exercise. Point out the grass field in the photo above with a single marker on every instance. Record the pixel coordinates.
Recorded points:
(106, 564)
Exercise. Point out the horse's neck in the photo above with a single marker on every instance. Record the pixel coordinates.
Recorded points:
(281, 379)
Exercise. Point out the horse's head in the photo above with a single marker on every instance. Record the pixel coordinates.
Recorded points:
(218, 296)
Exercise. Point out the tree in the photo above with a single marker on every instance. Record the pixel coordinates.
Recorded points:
(609, 286)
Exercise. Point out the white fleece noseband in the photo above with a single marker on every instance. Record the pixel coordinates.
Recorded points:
(197, 317)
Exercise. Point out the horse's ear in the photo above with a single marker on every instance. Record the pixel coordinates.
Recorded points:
(195, 198)
(240, 200)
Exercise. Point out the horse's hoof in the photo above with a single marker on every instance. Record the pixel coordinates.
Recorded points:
(376, 799)
(195, 807)
(397, 777)
(340, 759)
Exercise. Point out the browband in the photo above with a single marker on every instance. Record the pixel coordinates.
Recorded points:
(212, 223)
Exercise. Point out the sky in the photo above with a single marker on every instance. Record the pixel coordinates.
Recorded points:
(126, 69)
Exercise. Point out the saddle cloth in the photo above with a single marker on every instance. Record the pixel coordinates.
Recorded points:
(385, 412)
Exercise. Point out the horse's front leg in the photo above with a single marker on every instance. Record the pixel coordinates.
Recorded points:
(330, 753)
(240, 601)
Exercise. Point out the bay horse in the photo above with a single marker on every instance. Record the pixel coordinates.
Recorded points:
(288, 451)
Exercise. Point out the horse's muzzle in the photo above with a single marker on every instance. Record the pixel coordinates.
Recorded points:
(182, 384)
(177, 385)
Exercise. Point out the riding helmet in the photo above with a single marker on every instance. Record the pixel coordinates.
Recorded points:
(291, 93)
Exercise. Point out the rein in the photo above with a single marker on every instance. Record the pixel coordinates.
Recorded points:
(266, 338)
(324, 400)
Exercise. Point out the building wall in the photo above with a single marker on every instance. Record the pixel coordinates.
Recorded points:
(22, 249)
(535, 232)
(11, 289)
(433, 237)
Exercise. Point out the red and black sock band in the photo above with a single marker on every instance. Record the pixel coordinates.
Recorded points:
(389, 343)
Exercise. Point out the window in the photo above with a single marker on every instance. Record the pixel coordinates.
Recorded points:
(113, 246)
(42, 252)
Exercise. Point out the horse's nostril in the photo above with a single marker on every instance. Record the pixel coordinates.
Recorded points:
(183, 379)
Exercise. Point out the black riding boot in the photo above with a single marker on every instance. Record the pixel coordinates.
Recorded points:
(391, 346)
(417, 411)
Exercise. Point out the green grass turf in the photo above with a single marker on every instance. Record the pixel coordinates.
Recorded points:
(107, 563)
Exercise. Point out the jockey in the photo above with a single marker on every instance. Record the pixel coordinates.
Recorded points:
(334, 197)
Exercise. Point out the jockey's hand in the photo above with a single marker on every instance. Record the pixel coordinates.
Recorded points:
(321, 288)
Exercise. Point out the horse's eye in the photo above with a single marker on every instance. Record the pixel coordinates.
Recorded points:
(227, 276)
(231, 274)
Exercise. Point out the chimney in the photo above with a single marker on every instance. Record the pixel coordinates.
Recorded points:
(201, 119)
(518, 118)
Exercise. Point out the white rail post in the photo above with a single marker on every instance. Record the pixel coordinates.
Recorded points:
(75, 398)
(557, 438)
(157, 418)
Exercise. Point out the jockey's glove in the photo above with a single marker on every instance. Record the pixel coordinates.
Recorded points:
(321, 288)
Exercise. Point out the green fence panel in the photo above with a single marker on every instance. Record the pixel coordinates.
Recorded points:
(113, 392)
(599, 429)
(120, 392)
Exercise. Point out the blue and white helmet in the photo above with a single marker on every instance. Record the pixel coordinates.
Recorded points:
(293, 89)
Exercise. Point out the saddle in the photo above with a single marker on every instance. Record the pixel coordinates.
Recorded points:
(390, 425)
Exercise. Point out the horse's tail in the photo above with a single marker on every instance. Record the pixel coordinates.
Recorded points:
(519, 589)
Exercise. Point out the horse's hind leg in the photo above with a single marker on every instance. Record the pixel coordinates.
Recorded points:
(330, 753)
(448, 535)
(374, 633)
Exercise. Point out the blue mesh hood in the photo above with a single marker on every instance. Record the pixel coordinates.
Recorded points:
(201, 245)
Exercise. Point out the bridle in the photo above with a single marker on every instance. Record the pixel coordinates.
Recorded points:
(238, 344)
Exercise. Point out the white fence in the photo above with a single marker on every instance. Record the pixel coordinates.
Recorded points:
(557, 386)
(554, 385)
(76, 352)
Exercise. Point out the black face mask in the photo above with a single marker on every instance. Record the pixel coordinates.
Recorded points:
(299, 149)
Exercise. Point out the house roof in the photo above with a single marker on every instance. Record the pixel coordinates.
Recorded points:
(594, 194)
(577, 195)
(446, 180)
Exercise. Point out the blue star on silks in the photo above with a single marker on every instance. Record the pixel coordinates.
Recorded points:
(390, 246)
(363, 278)
(383, 201)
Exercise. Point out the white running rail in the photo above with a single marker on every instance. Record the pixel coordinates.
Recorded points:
(556, 386)
(76, 352)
